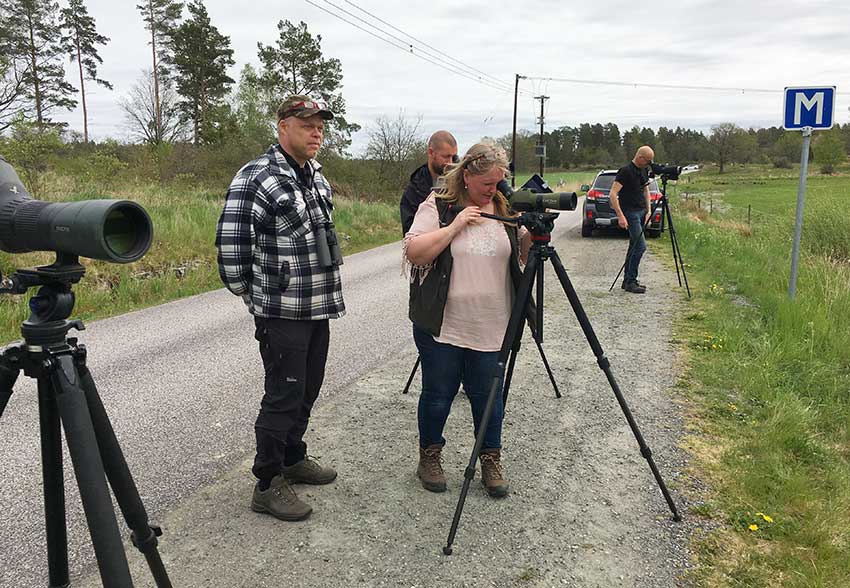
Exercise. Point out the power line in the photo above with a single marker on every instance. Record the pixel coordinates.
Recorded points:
(408, 49)
(648, 85)
(424, 44)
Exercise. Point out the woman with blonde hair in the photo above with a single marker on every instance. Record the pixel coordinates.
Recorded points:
(464, 270)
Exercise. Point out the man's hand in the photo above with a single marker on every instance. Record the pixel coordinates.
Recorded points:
(621, 220)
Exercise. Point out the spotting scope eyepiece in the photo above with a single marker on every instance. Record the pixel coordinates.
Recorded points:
(119, 231)
(527, 200)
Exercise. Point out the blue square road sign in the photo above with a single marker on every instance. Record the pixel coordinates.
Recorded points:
(809, 107)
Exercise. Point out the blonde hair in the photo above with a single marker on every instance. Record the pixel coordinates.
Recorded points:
(478, 161)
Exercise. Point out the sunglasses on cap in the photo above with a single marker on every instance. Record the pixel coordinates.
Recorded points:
(306, 105)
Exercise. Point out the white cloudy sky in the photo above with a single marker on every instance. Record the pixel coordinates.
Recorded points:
(762, 44)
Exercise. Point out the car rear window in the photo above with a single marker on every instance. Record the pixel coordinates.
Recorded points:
(603, 182)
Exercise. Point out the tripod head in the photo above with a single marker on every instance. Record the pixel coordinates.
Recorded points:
(54, 301)
(539, 224)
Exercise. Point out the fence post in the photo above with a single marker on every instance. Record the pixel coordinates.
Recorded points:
(749, 211)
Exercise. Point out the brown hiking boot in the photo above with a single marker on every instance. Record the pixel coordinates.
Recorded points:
(308, 471)
(492, 475)
(430, 470)
(280, 501)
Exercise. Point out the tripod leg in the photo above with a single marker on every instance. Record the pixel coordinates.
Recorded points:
(677, 254)
(412, 373)
(509, 377)
(514, 329)
(605, 365)
(8, 377)
(537, 334)
(54, 487)
(82, 445)
(673, 244)
(126, 494)
(548, 369)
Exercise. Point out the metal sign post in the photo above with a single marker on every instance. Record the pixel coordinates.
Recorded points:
(798, 224)
(806, 109)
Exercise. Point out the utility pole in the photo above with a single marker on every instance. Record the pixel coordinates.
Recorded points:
(513, 136)
(541, 145)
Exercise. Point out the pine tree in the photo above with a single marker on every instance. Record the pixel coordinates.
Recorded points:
(78, 40)
(31, 39)
(296, 66)
(201, 58)
(160, 18)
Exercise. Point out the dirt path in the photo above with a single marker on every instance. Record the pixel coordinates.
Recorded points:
(584, 509)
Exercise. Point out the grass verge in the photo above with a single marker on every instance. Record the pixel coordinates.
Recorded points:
(768, 378)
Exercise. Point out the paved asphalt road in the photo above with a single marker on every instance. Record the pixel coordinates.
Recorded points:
(181, 383)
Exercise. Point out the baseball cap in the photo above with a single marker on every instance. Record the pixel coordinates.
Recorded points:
(303, 107)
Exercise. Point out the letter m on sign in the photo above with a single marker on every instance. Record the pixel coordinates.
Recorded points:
(809, 107)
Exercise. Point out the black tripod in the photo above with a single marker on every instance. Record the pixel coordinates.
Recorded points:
(667, 219)
(540, 224)
(67, 395)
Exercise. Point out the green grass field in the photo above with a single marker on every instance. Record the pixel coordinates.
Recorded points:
(768, 379)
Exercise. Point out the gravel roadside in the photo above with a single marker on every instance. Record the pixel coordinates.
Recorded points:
(584, 509)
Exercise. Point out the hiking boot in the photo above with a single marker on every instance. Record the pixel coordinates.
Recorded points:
(635, 288)
(280, 501)
(308, 471)
(492, 475)
(430, 470)
(623, 284)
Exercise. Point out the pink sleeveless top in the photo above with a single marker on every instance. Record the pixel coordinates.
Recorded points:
(480, 291)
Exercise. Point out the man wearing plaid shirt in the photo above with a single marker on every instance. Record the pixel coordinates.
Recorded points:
(276, 216)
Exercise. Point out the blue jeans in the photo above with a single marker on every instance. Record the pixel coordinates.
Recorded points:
(637, 243)
(444, 368)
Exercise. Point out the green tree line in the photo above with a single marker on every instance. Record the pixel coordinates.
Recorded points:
(603, 145)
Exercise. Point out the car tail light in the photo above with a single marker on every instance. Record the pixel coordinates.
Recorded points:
(589, 213)
(657, 217)
(654, 195)
(594, 194)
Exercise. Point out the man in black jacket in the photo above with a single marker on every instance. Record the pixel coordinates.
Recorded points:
(442, 150)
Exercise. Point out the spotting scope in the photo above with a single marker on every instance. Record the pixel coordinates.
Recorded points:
(528, 200)
(119, 231)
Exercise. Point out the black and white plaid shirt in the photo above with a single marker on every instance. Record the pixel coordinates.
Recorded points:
(267, 243)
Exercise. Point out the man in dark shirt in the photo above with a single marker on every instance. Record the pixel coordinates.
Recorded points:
(630, 200)
(442, 150)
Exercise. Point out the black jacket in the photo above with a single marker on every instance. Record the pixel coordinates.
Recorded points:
(428, 299)
(415, 194)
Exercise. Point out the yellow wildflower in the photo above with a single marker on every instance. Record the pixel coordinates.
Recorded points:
(767, 518)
